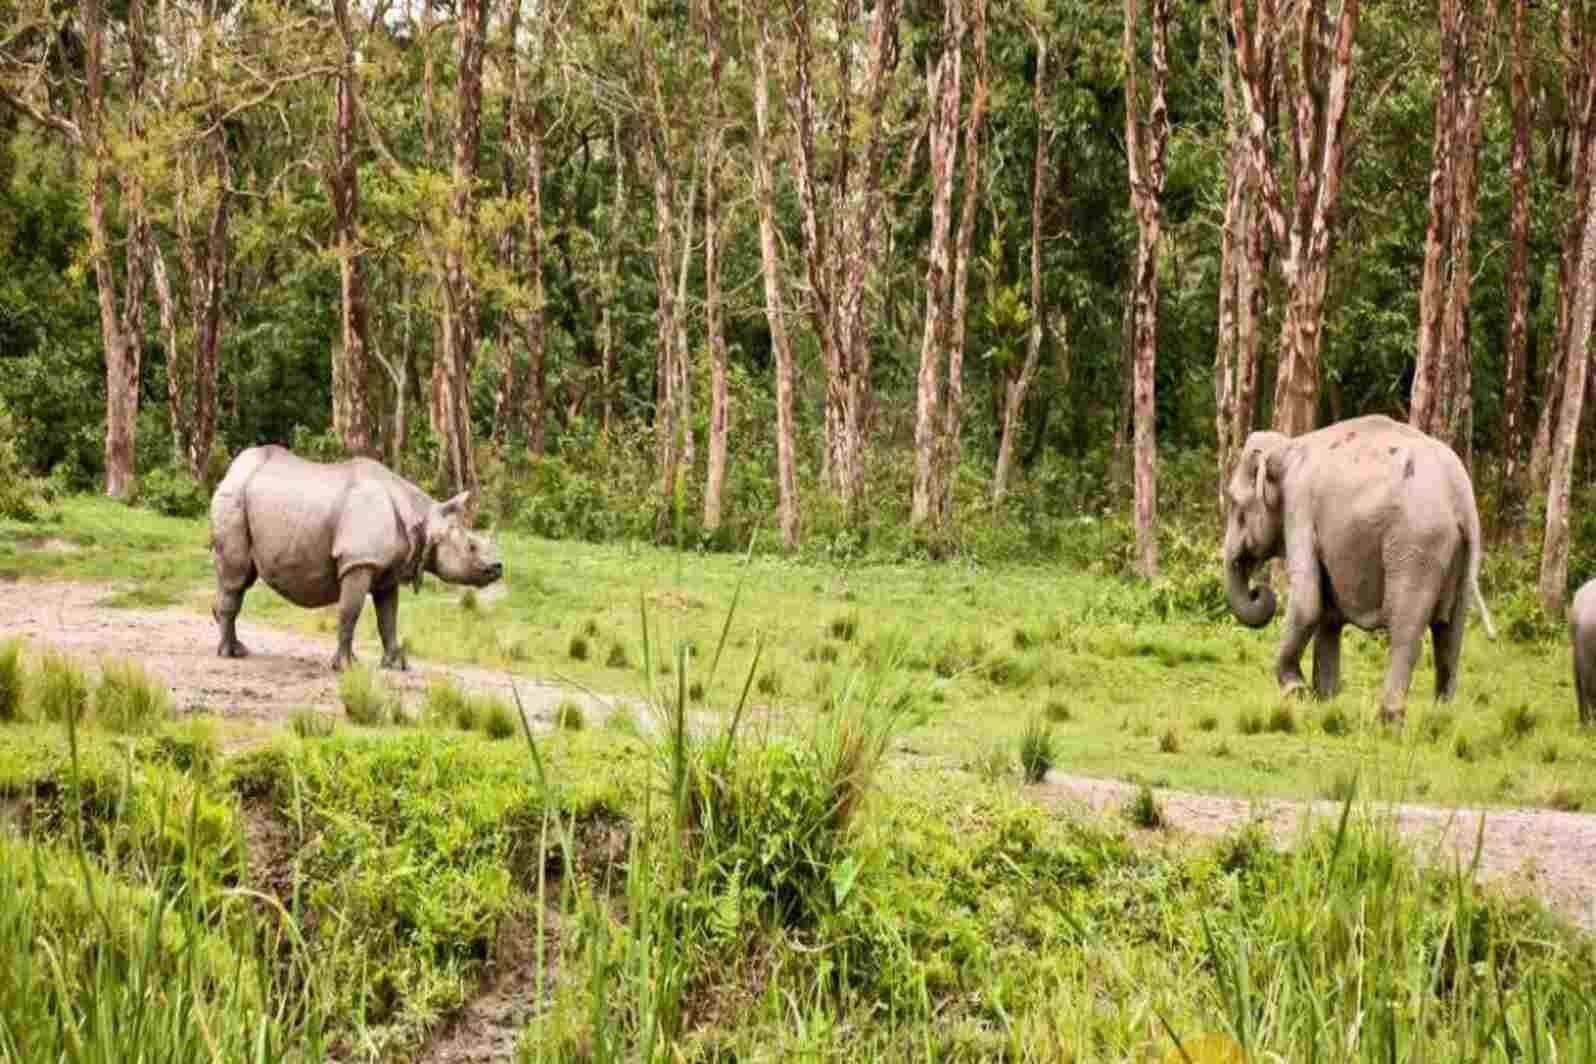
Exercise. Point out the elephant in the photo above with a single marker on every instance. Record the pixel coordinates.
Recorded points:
(324, 533)
(1378, 527)
(1582, 634)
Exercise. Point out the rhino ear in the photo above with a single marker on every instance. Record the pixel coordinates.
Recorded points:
(455, 505)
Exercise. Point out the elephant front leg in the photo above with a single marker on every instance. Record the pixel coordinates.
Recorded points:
(352, 592)
(1302, 618)
(387, 604)
(1327, 660)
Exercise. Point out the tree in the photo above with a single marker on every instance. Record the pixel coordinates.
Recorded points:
(1518, 271)
(1442, 377)
(1554, 547)
(350, 407)
(715, 474)
(1320, 94)
(1017, 374)
(1144, 153)
(839, 229)
(775, 299)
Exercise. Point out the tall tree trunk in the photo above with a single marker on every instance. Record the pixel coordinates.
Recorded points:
(1425, 411)
(1322, 90)
(609, 358)
(1229, 431)
(207, 287)
(969, 198)
(460, 297)
(1554, 551)
(121, 327)
(942, 88)
(351, 408)
(682, 357)
(1017, 378)
(1580, 49)
(715, 474)
(1513, 488)
(775, 313)
(839, 235)
(1460, 412)
(536, 417)
(177, 388)
(1144, 151)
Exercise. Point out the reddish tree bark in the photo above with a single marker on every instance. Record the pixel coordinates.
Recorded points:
(715, 473)
(1579, 49)
(1144, 151)
(1017, 376)
(1321, 93)
(1554, 550)
(942, 89)
(1517, 270)
(839, 234)
(460, 298)
(351, 407)
(775, 299)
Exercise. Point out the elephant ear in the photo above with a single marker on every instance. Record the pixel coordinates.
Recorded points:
(1272, 466)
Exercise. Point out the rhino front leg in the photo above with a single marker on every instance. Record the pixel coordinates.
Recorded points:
(352, 592)
(387, 603)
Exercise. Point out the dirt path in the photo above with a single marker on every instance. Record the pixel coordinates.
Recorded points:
(286, 671)
(1548, 853)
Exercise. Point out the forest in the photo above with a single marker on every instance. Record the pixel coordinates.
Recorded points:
(901, 277)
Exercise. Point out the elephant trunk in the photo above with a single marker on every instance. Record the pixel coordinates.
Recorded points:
(1253, 606)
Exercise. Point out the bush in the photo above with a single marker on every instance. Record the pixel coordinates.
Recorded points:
(366, 698)
(60, 690)
(1144, 810)
(498, 719)
(13, 680)
(20, 496)
(172, 492)
(129, 700)
(1038, 751)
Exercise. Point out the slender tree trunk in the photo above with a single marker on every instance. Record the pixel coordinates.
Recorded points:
(176, 376)
(715, 474)
(1580, 48)
(775, 314)
(1232, 254)
(609, 368)
(1017, 379)
(1144, 150)
(1425, 411)
(536, 330)
(208, 286)
(121, 327)
(1323, 88)
(351, 408)
(970, 196)
(942, 89)
(682, 356)
(461, 322)
(1513, 488)
(1460, 420)
(1554, 552)
(506, 392)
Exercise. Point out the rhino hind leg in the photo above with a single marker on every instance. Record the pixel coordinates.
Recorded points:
(235, 574)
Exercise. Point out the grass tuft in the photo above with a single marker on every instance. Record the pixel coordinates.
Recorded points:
(468, 601)
(1283, 720)
(569, 716)
(1519, 721)
(1334, 721)
(578, 649)
(129, 700)
(1208, 722)
(1038, 749)
(1249, 722)
(60, 689)
(1144, 811)
(1057, 711)
(366, 698)
(1169, 742)
(769, 683)
(13, 680)
(844, 628)
(498, 719)
(310, 724)
(1435, 724)
(617, 658)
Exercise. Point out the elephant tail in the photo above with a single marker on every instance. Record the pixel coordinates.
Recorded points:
(1474, 585)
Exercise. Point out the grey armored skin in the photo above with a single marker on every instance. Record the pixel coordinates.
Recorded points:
(1378, 527)
(319, 534)
(1582, 634)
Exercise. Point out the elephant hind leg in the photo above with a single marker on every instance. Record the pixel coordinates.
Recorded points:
(1327, 659)
(1448, 639)
(1585, 675)
(1410, 610)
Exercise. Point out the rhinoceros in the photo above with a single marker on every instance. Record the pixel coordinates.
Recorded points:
(323, 533)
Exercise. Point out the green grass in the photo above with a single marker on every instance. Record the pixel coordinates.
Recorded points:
(991, 646)
(366, 697)
(13, 680)
(129, 700)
